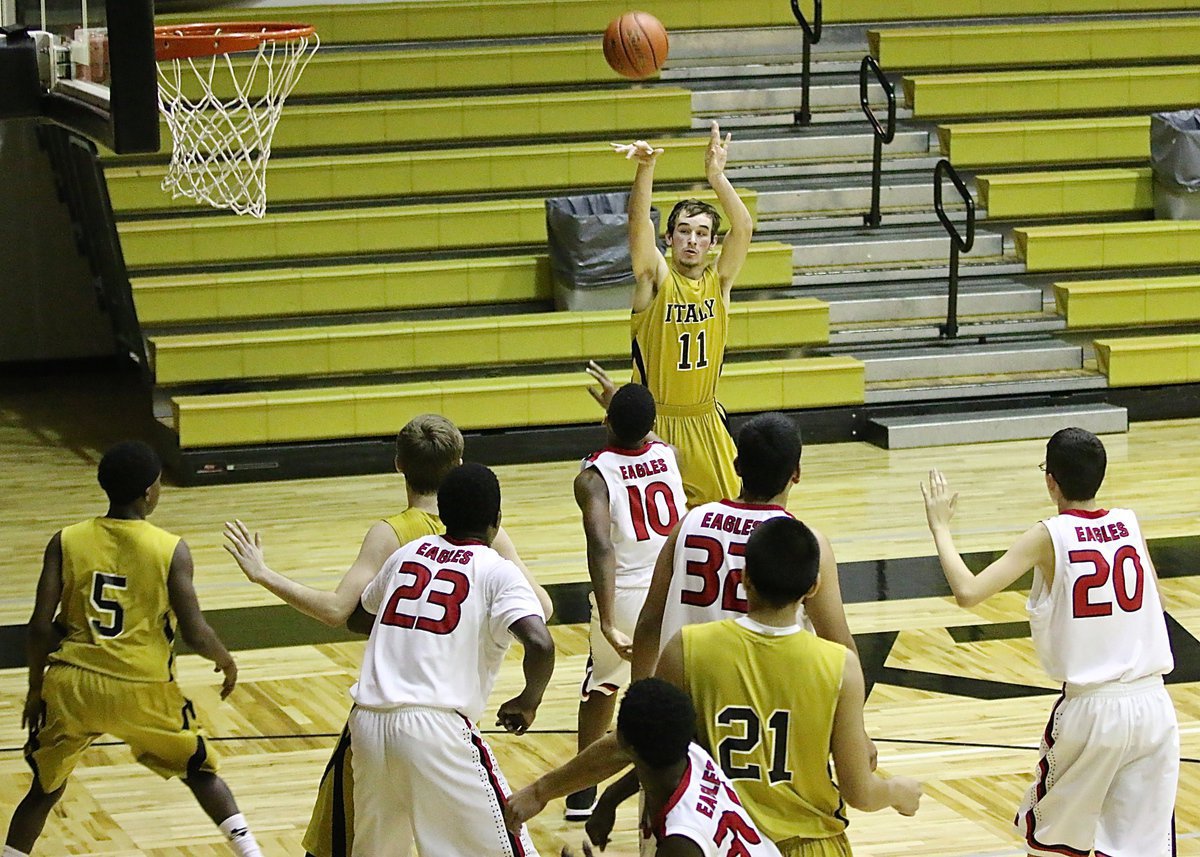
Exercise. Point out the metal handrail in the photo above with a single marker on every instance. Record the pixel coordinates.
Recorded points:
(812, 35)
(883, 134)
(958, 244)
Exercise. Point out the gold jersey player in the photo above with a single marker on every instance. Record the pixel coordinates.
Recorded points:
(105, 664)
(427, 448)
(681, 316)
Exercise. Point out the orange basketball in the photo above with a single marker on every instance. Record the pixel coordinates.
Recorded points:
(635, 45)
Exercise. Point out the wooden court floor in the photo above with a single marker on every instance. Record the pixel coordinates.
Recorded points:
(957, 697)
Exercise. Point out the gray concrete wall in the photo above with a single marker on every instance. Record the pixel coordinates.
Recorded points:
(48, 309)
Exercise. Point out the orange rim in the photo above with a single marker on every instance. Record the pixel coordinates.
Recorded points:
(182, 41)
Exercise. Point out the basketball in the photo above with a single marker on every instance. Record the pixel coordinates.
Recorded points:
(636, 45)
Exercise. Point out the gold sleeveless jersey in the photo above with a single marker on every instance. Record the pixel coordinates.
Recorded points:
(331, 827)
(115, 605)
(414, 524)
(764, 705)
(679, 341)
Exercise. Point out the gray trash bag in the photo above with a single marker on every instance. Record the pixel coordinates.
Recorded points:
(588, 239)
(1175, 160)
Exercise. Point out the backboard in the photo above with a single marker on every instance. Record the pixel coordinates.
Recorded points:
(95, 67)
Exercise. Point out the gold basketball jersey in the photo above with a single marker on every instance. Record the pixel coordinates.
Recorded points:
(414, 523)
(115, 605)
(765, 705)
(679, 340)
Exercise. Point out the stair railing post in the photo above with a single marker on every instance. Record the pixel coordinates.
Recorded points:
(812, 35)
(958, 242)
(883, 134)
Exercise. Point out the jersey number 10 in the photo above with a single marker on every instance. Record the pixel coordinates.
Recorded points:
(646, 511)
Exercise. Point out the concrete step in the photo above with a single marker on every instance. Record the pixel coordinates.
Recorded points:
(762, 65)
(765, 44)
(829, 145)
(776, 105)
(970, 329)
(909, 432)
(948, 359)
(841, 206)
(896, 303)
(867, 249)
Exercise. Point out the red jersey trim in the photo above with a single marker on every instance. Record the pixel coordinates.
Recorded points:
(738, 505)
(465, 542)
(642, 450)
(1084, 513)
(660, 824)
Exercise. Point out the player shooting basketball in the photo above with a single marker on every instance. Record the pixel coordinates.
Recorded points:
(681, 315)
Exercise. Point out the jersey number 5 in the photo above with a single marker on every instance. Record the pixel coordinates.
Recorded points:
(112, 625)
(1082, 605)
(708, 570)
(450, 602)
(646, 511)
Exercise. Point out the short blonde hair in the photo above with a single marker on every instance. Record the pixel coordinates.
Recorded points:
(428, 448)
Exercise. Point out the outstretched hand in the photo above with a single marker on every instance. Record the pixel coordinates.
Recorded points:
(246, 548)
(940, 504)
(638, 150)
(608, 387)
(717, 152)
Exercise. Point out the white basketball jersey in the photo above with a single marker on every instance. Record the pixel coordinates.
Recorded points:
(1101, 619)
(705, 809)
(443, 609)
(645, 502)
(706, 580)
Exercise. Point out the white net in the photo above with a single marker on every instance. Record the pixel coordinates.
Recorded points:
(222, 115)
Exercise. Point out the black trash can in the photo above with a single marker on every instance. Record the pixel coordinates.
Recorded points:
(1175, 159)
(588, 240)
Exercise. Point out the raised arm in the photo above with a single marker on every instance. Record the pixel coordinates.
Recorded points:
(332, 608)
(863, 789)
(591, 494)
(647, 634)
(736, 243)
(193, 627)
(1032, 548)
(504, 546)
(649, 266)
(825, 609)
(43, 637)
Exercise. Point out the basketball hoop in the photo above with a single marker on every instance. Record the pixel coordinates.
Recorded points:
(222, 144)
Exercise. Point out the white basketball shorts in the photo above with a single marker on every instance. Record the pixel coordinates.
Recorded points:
(607, 672)
(426, 775)
(1107, 776)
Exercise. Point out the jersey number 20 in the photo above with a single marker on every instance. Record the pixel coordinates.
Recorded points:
(450, 602)
(1082, 605)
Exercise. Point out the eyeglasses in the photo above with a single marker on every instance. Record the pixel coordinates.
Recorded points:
(1042, 467)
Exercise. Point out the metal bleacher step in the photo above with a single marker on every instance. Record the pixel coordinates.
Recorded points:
(944, 429)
